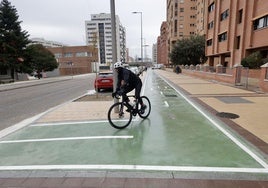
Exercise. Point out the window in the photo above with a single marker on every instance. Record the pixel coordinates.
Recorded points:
(209, 42)
(211, 7)
(175, 26)
(237, 42)
(260, 23)
(68, 54)
(58, 55)
(181, 9)
(210, 25)
(222, 37)
(81, 54)
(224, 15)
(240, 16)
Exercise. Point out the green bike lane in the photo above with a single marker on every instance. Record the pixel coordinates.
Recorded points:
(177, 136)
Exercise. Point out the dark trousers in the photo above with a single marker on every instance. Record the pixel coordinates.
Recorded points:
(137, 88)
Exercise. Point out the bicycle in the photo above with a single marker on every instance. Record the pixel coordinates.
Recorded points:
(121, 113)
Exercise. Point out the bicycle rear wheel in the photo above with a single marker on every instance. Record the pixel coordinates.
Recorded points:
(118, 117)
(147, 111)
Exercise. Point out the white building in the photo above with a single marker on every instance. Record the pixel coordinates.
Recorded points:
(99, 33)
(46, 43)
(154, 53)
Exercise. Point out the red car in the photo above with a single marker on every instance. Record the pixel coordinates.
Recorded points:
(104, 80)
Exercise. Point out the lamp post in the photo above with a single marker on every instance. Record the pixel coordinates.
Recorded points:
(141, 34)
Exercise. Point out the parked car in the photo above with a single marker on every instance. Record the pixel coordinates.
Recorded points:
(104, 80)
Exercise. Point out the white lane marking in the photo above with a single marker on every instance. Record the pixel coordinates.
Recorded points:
(28, 121)
(166, 104)
(235, 140)
(65, 139)
(70, 123)
(136, 167)
(66, 123)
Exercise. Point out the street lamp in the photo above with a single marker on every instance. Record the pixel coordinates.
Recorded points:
(141, 34)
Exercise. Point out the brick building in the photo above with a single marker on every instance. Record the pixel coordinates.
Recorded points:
(235, 29)
(75, 59)
(162, 53)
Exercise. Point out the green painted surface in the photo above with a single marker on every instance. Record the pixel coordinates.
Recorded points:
(174, 135)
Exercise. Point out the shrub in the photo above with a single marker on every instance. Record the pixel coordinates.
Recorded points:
(253, 61)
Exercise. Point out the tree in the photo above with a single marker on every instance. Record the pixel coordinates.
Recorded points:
(189, 51)
(40, 59)
(13, 39)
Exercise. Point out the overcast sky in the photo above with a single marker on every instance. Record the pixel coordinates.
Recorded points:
(64, 20)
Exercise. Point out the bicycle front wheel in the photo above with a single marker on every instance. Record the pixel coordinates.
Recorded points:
(118, 117)
(146, 112)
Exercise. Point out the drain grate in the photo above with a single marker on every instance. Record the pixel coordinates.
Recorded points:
(170, 95)
(227, 115)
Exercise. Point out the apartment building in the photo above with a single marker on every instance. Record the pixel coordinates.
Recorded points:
(99, 34)
(235, 29)
(46, 43)
(181, 20)
(162, 50)
(154, 53)
(75, 59)
(201, 14)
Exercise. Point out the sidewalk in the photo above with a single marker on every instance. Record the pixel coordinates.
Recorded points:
(23, 84)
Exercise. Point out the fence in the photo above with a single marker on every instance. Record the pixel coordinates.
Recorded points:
(237, 75)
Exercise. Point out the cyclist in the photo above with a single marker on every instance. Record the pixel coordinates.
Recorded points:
(126, 82)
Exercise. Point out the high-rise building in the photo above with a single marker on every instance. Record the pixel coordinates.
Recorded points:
(154, 53)
(162, 50)
(235, 29)
(181, 20)
(99, 34)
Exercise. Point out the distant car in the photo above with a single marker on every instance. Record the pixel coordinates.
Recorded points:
(104, 80)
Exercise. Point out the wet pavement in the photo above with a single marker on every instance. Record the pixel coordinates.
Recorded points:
(192, 153)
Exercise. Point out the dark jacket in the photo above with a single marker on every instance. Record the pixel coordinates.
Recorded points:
(131, 79)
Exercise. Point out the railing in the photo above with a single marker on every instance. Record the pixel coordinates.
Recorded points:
(209, 69)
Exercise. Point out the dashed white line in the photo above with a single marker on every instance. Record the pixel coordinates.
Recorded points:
(166, 104)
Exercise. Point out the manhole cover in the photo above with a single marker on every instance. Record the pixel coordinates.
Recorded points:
(227, 115)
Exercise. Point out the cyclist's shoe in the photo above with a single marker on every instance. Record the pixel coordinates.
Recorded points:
(143, 108)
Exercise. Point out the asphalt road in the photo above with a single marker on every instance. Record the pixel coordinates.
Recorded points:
(22, 103)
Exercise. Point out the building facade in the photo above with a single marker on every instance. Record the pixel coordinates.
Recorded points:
(154, 53)
(235, 29)
(75, 59)
(162, 41)
(99, 34)
(46, 43)
(181, 19)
